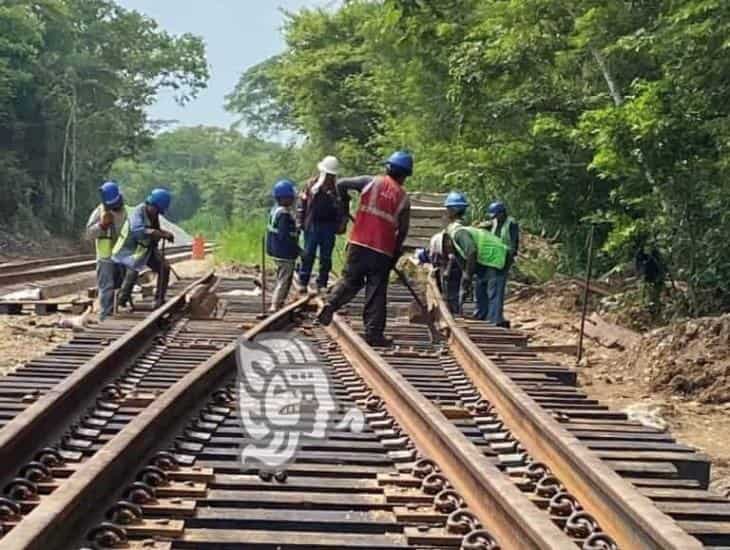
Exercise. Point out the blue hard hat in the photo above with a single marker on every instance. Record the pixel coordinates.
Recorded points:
(456, 200)
(161, 198)
(284, 189)
(110, 194)
(496, 208)
(423, 256)
(402, 162)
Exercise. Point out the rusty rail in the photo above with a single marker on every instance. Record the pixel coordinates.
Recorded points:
(22, 435)
(48, 524)
(626, 515)
(51, 269)
(498, 504)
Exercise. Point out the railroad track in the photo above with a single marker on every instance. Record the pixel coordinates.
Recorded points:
(473, 443)
(13, 273)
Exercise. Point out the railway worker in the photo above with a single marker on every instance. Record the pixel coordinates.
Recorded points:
(138, 246)
(104, 226)
(282, 240)
(507, 229)
(446, 270)
(478, 252)
(321, 217)
(375, 244)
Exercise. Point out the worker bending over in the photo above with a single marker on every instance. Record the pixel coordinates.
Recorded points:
(479, 254)
(137, 246)
(282, 241)
(446, 270)
(507, 229)
(104, 226)
(320, 216)
(375, 245)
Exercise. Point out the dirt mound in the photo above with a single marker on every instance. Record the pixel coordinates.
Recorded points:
(691, 359)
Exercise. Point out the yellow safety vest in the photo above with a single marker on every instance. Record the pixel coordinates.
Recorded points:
(139, 251)
(491, 251)
(505, 234)
(106, 242)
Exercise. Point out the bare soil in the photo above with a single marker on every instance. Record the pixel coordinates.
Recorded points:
(677, 377)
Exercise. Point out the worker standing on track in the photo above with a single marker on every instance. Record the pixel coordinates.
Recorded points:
(104, 226)
(507, 229)
(137, 246)
(321, 217)
(479, 254)
(282, 240)
(375, 245)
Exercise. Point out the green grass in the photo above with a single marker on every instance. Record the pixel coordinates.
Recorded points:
(241, 244)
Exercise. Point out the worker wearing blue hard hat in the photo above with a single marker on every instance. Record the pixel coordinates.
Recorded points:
(507, 229)
(104, 227)
(477, 251)
(282, 240)
(375, 245)
(138, 246)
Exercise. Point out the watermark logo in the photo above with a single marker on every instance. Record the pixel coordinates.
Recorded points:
(284, 396)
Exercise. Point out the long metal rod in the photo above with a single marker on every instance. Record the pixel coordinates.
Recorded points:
(622, 511)
(263, 275)
(586, 293)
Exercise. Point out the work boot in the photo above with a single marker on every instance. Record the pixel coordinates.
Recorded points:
(324, 317)
(504, 324)
(379, 341)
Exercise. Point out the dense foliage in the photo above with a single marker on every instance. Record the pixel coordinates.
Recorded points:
(217, 176)
(574, 111)
(75, 79)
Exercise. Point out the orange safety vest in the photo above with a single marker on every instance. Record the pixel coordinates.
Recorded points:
(376, 223)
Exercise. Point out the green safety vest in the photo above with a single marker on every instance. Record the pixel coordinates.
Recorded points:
(505, 233)
(491, 251)
(140, 250)
(105, 242)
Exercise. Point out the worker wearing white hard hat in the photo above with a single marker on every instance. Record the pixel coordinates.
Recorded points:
(321, 217)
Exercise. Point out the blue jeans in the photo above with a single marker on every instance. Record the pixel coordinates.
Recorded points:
(496, 289)
(322, 238)
(482, 278)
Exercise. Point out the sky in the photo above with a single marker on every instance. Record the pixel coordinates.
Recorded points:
(237, 34)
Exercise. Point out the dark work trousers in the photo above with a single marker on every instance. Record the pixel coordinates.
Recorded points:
(320, 237)
(451, 287)
(109, 277)
(482, 275)
(497, 287)
(158, 266)
(370, 269)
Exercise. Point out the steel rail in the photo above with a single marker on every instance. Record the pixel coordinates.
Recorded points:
(503, 510)
(59, 270)
(19, 438)
(628, 517)
(25, 265)
(52, 522)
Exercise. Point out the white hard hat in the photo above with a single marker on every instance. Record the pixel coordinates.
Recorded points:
(329, 165)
